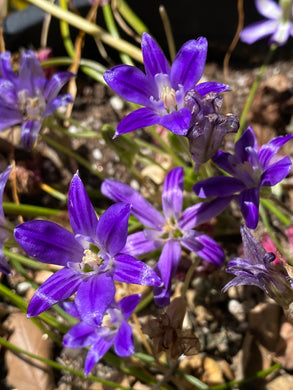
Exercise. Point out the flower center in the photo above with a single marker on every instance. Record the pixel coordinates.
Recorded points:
(249, 175)
(91, 258)
(286, 6)
(95, 260)
(170, 230)
(32, 107)
(168, 97)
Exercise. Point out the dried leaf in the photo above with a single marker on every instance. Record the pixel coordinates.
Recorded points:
(23, 372)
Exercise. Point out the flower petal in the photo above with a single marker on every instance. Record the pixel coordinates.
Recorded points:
(276, 172)
(177, 121)
(112, 228)
(247, 139)
(82, 215)
(218, 186)
(96, 352)
(154, 59)
(54, 85)
(204, 246)
(140, 207)
(128, 304)
(211, 86)
(9, 116)
(31, 74)
(123, 343)
(282, 33)
(94, 297)
(166, 269)
(139, 244)
(4, 266)
(57, 288)
(3, 180)
(128, 269)
(258, 30)
(6, 68)
(48, 242)
(172, 195)
(268, 150)
(29, 133)
(79, 336)
(268, 8)
(130, 83)
(137, 119)
(58, 101)
(249, 204)
(189, 64)
(7, 93)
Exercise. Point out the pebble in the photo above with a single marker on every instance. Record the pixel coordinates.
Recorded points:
(116, 103)
(236, 309)
(135, 185)
(97, 154)
(22, 287)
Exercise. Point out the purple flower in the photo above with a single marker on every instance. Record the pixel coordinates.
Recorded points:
(208, 126)
(251, 168)
(170, 230)
(161, 89)
(114, 330)
(28, 97)
(259, 268)
(91, 255)
(279, 24)
(4, 229)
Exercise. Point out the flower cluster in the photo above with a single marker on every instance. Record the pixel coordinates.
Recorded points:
(28, 97)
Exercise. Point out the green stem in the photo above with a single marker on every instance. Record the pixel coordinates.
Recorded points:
(131, 18)
(76, 156)
(253, 90)
(59, 366)
(168, 31)
(267, 203)
(258, 375)
(32, 264)
(29, 210)
(89, 28)
(112, 28)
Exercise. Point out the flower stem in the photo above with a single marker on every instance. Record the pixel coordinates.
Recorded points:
(253, 90)
(29, 210)
(168, 32)
(131, 18)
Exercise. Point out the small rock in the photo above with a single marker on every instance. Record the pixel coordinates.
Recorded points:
(22, 287)
(116, 103)
(236, 309)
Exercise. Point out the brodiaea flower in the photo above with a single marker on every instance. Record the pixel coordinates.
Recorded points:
(4, 228)
(114, 330)
(162, 88)
(28, 97)
(279, 24)
(91, 255)
(259, 268)
(251, 169)
(170, 230)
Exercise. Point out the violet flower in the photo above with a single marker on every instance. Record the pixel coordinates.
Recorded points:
(259, 268)
(91, 255)
(169, 231)
(279, 24)
(208, 126)
(28, 97)
(114, 330)
(4, 224)
(251, 168)
(161, 89)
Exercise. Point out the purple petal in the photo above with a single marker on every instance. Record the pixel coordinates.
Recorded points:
(70, 308)
(267, 151)
(94, 297)
(123, 343)
(211, 86)
(276, 172)
(218, 186)
(166, 269)
(7, 93)
(82, 215)
(55, 84)
(112, 228)
(58, 101)
(189, 64)
(247, 139)
(204, 246)
(268, 8)
(172, 195)
(9, 116)
(3, 180)
(154, 59)
(137, 119)
(130, 83)
(138, 244)
(4, 266)
(257, 31)
(202, 212)
(128, 304)
(31, 74)
(253, 249)
(177, 121)
(249, 204)
(57, 288)
(96, 352)
(48, 242)
(140, 207)
(242, 280)
(6, 68)
(282, 33)
(226, 161)
(79, 336)
(29, 133)
(128, 269)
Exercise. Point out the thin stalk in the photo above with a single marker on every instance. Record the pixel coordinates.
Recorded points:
(131, 18)
(168, 31)
(53, 192)
(275, 210)
(253, 90)
(29, 210)
(59, 366)
(112, 28)
(89, 28)
(76, 156)
(32, 264)
(188, 278)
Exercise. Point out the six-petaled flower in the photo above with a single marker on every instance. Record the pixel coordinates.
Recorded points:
(169, 231)
(28, 97)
